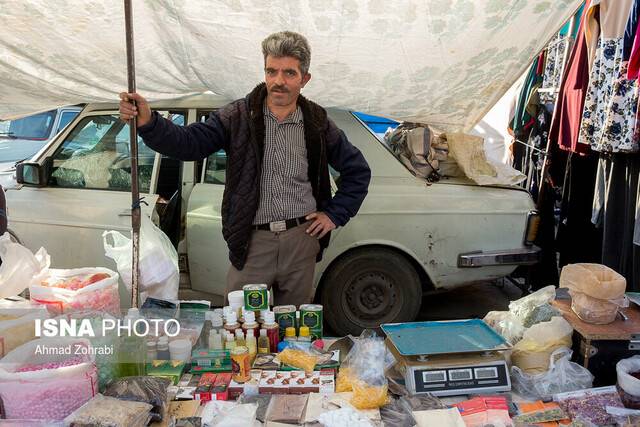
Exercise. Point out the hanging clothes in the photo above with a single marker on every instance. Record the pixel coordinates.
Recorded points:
(578, 239)
(601, 133)
(567, 116)
(633, 71)
(620, 123)
(528, 97)
(616, 210)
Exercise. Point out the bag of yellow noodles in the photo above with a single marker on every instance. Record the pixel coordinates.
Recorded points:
(363, 372)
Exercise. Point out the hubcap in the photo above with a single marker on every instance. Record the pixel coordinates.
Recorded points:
(371, 295)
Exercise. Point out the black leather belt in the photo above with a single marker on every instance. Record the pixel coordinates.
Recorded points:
(279, 226)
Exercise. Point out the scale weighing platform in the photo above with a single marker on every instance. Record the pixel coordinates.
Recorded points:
(450, 357)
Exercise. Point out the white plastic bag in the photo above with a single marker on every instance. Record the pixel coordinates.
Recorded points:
(19, 266)
(531, 354)
(508, 325)
(526, 308)
(100, 293)
(45, 379)
(158, 264)
(229, 414)
(628, 385)
(17, 324)
(562, 376)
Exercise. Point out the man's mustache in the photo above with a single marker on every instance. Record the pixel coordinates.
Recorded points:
(279, 89)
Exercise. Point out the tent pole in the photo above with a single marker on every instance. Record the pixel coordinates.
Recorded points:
(133, 138)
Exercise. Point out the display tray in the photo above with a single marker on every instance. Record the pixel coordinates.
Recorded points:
(445, 337)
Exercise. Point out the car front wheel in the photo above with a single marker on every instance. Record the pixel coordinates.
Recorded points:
(369, 287)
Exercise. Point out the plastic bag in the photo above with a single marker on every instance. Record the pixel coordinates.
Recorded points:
(563, 376)
(151, 390)
(594, 310)
(17, 323)
(103, 411)
(344, 417)
(596, 280)
(508, 325)
(628, 372)
(19, 266)
(298, 359)
(158, 263)
(262, 400)
(287, 408)
(80, 289)
(531, 354)
(525, 305)
(439, 417)
(589, 407)
(39, 380)
(229, 414)
(368, 365)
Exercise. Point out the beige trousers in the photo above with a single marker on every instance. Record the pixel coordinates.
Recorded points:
(284, 261)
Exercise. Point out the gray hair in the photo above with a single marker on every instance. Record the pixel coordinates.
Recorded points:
(288, 43)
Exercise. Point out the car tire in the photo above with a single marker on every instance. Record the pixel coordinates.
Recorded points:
(369, 287)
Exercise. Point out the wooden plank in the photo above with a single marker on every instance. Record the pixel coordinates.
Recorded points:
(618, 330)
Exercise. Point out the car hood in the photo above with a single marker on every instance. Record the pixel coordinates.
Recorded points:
(443, 62)
(13, 150)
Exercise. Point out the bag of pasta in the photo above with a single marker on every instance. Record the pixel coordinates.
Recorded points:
(367, 368)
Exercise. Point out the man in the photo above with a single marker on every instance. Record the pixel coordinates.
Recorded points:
(277, 209)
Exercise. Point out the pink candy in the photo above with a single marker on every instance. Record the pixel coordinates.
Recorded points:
(52, 365)
(52, 399)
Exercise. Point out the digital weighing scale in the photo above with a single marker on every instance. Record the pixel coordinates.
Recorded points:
(449, 358)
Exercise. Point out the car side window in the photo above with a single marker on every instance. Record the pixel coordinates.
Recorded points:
(96, 155)
(65, 118)
(215, 172)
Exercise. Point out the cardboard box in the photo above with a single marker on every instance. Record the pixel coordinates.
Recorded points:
(205, 386)
(267, 382)
(282, 382)
(185, 380)
(171, 369)
(327, 379)
(267, 361)
(211, 360)
(304, 382)
(220, 389)
(235, 389)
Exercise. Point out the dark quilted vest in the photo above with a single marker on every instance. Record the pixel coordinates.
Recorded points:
(243, 121)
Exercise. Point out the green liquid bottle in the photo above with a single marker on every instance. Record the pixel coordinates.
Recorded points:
(132, 349)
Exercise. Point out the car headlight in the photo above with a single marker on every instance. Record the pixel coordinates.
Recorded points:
(533, 222)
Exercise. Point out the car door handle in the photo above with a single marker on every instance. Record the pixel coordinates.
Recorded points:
(125, 212)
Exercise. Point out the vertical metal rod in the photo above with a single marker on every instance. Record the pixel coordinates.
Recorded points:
(133, 137)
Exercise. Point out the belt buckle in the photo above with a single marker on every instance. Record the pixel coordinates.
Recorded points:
(278, 226)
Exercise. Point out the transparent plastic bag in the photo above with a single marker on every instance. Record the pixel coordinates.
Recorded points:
(158, 264)
(628, 372)
(506, 324)
(39, 380)
(596, 280)
(523, 307)
(563, 376)
(104, 411)
(531, 354)
(229, 414)
(19, 266)
(589, 406)
(80, 289)
(151, 390)
(368, 367)
(594, 310)
(17, 324)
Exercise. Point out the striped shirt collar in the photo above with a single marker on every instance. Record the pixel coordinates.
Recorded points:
(294, 117)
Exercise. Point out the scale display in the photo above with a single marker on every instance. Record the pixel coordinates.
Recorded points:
(453, 381)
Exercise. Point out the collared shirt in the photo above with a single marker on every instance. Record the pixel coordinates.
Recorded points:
(285, 189)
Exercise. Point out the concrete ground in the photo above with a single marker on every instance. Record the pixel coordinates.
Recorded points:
(469, 302)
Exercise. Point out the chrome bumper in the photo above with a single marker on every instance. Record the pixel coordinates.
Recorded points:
(522, 256)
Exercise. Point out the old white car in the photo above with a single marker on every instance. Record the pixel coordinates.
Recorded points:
(408, 238)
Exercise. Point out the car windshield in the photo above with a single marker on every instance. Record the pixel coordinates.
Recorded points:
(36, 127)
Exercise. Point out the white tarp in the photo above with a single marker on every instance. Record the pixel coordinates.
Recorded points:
(445, 62)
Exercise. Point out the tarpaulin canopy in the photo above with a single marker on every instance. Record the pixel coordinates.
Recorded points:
(444, 62)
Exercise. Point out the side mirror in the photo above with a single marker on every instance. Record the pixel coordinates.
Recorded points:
(33, 174)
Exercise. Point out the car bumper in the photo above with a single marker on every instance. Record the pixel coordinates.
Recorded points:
(522, 256)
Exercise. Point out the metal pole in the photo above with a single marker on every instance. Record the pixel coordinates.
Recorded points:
(133, 137)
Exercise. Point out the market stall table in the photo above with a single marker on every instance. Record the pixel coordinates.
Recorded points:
(599, 347)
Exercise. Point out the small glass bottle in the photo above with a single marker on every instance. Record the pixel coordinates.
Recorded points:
(263, 343)
(163, 348)
(152, 353)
